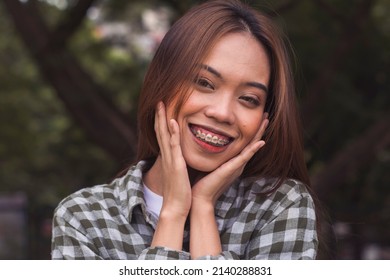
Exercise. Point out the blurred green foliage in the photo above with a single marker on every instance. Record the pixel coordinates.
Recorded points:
(46, 154)
(42, 151)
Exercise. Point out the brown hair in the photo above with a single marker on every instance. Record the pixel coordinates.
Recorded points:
(187, 44)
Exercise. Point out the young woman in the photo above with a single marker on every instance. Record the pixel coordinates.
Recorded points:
(220, 171)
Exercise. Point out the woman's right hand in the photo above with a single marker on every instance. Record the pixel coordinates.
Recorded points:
(175, 182)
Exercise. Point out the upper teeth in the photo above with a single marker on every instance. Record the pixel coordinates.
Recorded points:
(210, 138)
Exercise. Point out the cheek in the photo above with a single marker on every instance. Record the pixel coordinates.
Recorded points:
(173, 112)
(250, 128)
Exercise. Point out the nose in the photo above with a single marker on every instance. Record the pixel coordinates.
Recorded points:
(221, 109)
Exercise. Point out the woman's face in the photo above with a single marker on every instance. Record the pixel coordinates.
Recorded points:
(226, 103)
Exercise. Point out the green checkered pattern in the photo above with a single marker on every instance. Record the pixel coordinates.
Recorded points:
(111, 221)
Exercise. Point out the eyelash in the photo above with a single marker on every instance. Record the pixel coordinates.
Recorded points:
(251, 100)
(204, 83)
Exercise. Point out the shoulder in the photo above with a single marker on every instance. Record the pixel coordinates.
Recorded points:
(86, 197)
(115, 194)
(291, 189)
(289, 194)
(286, 221)
(293, 196)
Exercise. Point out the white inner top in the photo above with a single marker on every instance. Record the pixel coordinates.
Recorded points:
(153, 201)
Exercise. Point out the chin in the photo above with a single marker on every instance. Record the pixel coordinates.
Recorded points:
(205, 165)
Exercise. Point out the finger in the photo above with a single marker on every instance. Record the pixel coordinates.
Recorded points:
(157, 126)
(175, 137)
(247, 153)
(264, 123)
(175, 145)
(236, 165)
(265, 115)
(161, 129)
(253, 148)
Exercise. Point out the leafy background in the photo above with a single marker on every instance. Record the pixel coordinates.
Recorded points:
(70, 73)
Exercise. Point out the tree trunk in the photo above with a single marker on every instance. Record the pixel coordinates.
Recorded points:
(103, 123)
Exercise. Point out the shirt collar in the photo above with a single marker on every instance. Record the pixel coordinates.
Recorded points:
(131, 193)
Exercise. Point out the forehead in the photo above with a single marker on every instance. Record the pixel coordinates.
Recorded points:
(239, 55)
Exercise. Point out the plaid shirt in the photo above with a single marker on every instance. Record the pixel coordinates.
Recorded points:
(112, 222)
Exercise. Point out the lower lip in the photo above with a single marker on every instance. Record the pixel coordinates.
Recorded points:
(207, 147)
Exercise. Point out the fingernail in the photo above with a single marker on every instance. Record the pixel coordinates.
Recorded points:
(261, 143)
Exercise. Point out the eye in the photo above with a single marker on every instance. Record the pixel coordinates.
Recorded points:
(204, 83)
(250, 100)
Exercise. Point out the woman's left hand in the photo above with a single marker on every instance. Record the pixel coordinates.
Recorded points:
(210, 188)
(204, 234)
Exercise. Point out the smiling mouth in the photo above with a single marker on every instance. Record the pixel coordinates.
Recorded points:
(210, 137)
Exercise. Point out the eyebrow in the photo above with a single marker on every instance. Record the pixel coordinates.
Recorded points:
(218, 75)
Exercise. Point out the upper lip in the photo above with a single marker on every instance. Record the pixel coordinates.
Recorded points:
(214, 130)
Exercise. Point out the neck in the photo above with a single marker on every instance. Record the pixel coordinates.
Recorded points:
(195, 175)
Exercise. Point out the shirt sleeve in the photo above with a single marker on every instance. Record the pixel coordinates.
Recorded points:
(225, 255)
(71, 242)
(290, 232)
(163, 253)
(71, 239)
